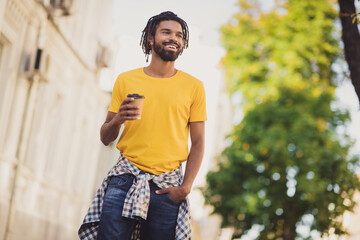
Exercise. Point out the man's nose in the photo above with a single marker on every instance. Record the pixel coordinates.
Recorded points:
(173, 37)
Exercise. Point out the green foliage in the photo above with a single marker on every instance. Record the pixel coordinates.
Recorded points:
(355, 18)
(286, 160)
(265, 51)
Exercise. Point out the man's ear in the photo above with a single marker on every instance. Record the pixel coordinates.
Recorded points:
(151, 40)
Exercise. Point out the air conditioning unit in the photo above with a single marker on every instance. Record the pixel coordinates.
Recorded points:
(27, 61)
(63, 5)
(103, 57)
(34, 62)
(39, 62)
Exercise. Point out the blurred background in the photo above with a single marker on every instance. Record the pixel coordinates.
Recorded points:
(282, 110)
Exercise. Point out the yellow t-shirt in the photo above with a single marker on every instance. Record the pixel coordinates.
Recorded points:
(158, 142)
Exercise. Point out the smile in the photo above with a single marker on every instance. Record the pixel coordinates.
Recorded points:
(171, 46)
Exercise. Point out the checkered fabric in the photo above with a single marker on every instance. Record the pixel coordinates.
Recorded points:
(137, 200)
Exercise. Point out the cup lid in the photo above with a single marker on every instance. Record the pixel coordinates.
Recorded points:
(135, 95)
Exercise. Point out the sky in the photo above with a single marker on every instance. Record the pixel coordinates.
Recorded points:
(201, 59)
(207, 15)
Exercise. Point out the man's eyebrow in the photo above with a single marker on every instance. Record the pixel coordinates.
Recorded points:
(167, 29)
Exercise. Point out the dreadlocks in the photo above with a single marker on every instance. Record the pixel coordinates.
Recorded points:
(151, 29)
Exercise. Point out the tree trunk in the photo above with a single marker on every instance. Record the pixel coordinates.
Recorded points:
(351, 39)
(289, 231)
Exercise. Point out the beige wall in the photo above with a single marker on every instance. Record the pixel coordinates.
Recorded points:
(50, 151)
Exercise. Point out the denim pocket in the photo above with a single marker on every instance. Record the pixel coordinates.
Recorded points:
(121, 180)
(173, 201)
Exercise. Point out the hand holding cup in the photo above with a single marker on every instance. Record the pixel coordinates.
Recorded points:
(138, 101)
(130, 108)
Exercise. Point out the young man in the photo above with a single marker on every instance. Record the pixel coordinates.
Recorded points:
(144, 195)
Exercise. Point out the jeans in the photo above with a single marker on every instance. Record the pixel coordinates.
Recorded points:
(161, 218)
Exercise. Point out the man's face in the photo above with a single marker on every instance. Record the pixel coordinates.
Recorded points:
(168, 41)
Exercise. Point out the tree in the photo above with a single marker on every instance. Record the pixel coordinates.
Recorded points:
(351, 39)
(293, 45)
(286, 162)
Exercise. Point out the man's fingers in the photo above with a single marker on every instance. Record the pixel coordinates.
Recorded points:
(127, 100)
(162, 191)
(129, 113)
(126, 103)
(130, 118)
(128, 107)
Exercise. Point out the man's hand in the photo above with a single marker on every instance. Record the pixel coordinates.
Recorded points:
(110, 129)
(127, 111)
(177, 194)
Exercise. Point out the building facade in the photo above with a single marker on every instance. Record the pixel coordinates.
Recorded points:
(52, 53)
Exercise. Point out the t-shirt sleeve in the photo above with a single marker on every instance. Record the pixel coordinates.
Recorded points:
(198, 107)
(116, 98)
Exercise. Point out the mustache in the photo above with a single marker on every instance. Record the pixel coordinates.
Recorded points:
(172, 42)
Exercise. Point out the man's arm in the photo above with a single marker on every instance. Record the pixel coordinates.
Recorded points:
(197, 135)
(111, 127)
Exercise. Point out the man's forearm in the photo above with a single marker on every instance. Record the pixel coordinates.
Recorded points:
(109, 132)
(193, 165)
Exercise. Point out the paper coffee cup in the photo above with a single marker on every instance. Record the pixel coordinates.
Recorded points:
(138, 101)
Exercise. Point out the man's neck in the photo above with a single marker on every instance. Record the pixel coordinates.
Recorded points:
(160, 69)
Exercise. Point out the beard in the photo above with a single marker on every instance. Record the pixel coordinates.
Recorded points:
(166, 55)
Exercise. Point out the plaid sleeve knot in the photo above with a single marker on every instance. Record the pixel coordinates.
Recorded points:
(137, 200)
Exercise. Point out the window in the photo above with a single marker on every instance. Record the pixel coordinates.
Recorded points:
(1, 50)
(2, 92)
(5, 48)
(2, 81)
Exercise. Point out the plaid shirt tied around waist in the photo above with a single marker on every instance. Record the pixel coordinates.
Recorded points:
(137, 200)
